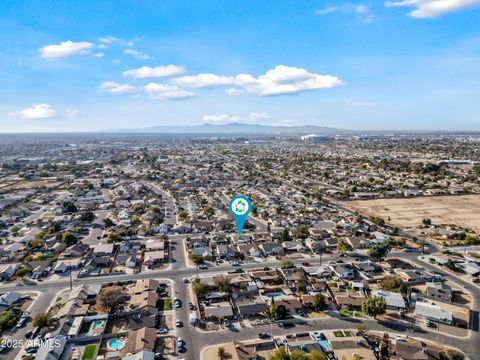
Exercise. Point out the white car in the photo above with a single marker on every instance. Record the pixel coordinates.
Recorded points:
(162, 331)
(178, 323)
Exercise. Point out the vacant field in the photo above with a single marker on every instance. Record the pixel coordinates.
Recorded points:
(408, 213)
(29, 184)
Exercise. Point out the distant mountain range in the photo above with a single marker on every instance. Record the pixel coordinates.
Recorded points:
(235, 128)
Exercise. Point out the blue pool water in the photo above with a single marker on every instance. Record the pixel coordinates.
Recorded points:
(97, 324)
(273, 294)
(115, 344)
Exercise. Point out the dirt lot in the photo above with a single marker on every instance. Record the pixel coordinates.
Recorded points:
(30, 184)
(408, 213)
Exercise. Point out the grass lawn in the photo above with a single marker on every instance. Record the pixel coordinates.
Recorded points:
(89, 352)
(165, 304)
(351, 313)
(341, 333)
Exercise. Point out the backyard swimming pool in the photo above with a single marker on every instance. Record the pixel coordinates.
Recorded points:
(97, 324)
(115, 344)
(274, 294)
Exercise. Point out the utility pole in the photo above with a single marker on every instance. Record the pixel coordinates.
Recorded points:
(70, 274)
(321, 253)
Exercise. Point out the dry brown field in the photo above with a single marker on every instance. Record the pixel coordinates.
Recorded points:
(29, 184)
(408, 213)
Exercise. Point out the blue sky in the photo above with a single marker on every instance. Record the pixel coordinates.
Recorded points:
(94, 65)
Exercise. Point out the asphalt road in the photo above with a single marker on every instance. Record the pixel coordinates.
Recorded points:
(95, 232)
(40, 304)
(196, 340)
(170, 218)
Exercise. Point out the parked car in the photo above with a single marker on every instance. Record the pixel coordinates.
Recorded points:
(263, 335)
(178, 323)
(226, 323)
(286, 324)
(162, 331)
(29, 334)
(202, 266)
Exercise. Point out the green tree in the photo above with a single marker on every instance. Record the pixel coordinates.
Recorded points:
(87, 216)
(319, 301)
(14, 230)
(182, 214)
(107, 222)
(392, 283)
(135, 220)
(297, 355)
(196, 259)
(69, 207)
(21, 272)
(301, 232)
(342, 245)
(200, 288)
(42, 319)
(378, 252)
(69, 239)
(208, 211)
(280, 354)
(222, 283)
(286, 264)
(450, 265)
(285, 235)
(374, 306)
(316, 355)
(451, 354)
(276, 312)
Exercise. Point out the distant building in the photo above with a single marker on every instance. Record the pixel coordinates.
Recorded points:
(316, 138)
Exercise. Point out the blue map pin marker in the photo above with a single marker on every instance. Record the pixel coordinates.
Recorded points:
(240, 207)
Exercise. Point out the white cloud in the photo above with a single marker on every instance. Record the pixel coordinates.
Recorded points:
(283, 80)
(36, 111)
(361, 12)
(358, 104)
(203, 80)
(325, 10)
(280, 80)
(251, 118)
(146, 72)
(112, 39)
(220, 119)
(137, 54)
(433, 8)
(99, 55)
(259, 116)
(234, 91)
(166, 92)
(116, 88)
(361, 9)
(65, 49)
